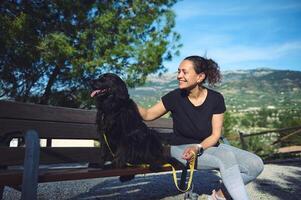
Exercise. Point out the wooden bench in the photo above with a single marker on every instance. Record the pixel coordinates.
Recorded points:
(31, 163)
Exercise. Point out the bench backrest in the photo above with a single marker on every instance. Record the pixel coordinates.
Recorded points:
(53, 123)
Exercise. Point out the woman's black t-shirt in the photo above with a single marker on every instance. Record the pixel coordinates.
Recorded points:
(192, 124)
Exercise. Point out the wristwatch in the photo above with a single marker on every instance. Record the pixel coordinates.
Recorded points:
(200, 149)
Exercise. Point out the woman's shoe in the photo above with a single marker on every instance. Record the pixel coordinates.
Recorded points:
(216, 197)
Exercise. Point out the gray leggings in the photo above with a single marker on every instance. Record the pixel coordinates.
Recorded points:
(237, 167)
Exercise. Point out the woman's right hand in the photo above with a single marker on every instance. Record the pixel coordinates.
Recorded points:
(189, 152)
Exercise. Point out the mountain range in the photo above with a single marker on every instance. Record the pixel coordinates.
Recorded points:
(243, 90)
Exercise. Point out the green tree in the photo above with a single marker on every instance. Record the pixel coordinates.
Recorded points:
(51, 49)
(229, 124)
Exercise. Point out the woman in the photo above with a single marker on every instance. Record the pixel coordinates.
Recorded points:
(198, 114)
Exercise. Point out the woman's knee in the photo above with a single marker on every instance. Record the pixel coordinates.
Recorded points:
(248, 161)
(252, 167)
(257, 165)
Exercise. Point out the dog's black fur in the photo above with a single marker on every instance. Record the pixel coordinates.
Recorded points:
(129, 138)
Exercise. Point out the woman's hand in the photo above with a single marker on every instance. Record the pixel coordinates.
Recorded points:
(188, 152)
(153, 112)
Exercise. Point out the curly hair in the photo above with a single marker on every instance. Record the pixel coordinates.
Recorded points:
(207, 66)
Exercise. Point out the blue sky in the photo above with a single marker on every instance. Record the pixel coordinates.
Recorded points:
(240, 34)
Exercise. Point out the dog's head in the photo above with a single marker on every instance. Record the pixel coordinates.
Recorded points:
(110, 92)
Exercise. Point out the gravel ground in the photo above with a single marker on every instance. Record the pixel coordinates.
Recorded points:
(278, 181)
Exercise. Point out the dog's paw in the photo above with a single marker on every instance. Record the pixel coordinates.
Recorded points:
(155, 167)
(126, 178)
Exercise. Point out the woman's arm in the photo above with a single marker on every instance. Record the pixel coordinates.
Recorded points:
(217, 124)
(153, 112)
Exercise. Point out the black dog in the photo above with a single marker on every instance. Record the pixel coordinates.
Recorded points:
(124, 138)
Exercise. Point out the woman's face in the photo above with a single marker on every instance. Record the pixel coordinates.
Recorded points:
(187, 77)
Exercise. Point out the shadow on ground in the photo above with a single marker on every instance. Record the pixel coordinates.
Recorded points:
(148, 187)
(285, 182)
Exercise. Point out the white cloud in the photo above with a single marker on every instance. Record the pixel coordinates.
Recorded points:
(237, 54)
(287, 47)
(287, 6)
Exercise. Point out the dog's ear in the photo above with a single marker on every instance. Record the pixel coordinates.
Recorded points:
(122, 91)
(120, 88)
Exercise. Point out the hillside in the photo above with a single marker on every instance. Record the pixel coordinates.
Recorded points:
(243, 89)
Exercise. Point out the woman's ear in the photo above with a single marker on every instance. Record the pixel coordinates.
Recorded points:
(201, 77)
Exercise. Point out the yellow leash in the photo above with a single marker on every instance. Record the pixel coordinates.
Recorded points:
(191, 169)
(107, 143)
(174, 173)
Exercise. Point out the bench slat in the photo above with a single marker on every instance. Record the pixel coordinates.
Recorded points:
(94, 173)
(161, 123)
(18, 110)
(53, 130)
(61, 130)
(51, 155)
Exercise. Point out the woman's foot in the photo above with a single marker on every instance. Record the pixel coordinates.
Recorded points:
(215, 196)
